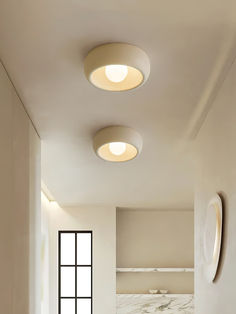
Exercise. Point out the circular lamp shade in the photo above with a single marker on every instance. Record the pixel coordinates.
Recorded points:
(212, 237)
(117, 67)
(117, 143)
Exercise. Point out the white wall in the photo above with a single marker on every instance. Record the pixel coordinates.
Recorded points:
(216, 172)
(20, 206)
(102, 221)
(45, 273)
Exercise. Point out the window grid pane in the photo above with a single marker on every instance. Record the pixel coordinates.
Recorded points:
(75, 278)
(67, 248)
(84, 281)
(83, 306)
(67, 306)
(67, 281)
(84, 249)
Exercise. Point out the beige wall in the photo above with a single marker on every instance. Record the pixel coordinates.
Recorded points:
(216, 172)
(154, 238)
(20, 205)
(45, 273)
(102, 221)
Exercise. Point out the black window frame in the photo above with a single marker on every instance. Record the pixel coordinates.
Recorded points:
(75, 266)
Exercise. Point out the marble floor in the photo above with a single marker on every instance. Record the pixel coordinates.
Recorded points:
(147, 303)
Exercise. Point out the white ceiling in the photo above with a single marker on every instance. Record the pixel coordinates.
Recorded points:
(43, 44)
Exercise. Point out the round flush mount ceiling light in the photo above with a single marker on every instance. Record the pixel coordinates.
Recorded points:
(117, 143)
(117, 67)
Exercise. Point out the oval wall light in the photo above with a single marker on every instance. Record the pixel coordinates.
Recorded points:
(117, 67)
(117, 143)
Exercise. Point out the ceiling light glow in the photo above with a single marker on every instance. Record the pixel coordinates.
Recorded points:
(117, 148)
(116, 72)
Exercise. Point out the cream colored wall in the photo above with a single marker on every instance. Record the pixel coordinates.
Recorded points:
(46, 206)
(216, 172)
(153, 238)
(102, 221)
(20, 205)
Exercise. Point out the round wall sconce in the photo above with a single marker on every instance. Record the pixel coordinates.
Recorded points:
(117, 67)
(212, 237)
(117, 143)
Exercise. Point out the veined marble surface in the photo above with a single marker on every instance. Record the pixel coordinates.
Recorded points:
(154, 270)
(158, 303)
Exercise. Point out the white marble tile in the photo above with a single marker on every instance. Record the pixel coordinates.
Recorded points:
(147, 303)
(155, 269)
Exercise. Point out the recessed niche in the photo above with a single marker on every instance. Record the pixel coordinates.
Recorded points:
(153, 240)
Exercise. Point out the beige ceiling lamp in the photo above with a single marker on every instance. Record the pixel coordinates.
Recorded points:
(117, 67)
(117, 143)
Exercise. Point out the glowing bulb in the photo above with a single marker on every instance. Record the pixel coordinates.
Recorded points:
(117, 148)
(116, 72)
